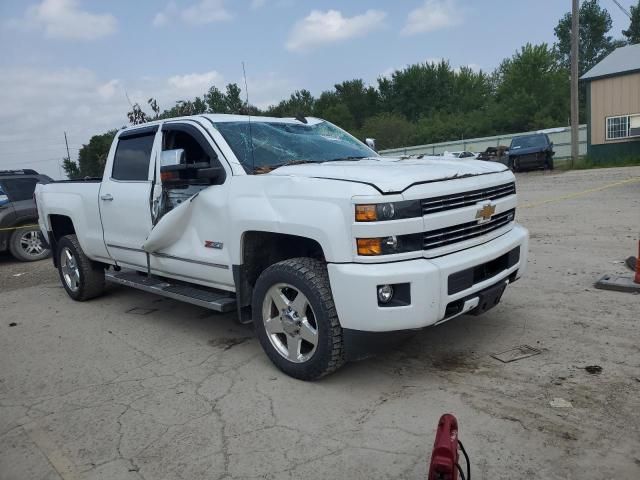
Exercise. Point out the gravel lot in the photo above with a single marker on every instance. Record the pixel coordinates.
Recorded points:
(89, 391)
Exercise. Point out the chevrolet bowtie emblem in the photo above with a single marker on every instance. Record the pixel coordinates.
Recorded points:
(485, 213)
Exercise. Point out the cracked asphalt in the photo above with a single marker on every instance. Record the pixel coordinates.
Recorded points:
(89, 391)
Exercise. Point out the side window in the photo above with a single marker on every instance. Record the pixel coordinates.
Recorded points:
(19, 188)
(133, 154)
(192, 146)
(4, 198)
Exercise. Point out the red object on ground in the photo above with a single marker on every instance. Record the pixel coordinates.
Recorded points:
(637, 277)
(444, 457)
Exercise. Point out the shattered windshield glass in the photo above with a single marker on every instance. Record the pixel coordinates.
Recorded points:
(276, 144)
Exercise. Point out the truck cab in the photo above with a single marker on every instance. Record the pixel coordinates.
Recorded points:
(293, 223)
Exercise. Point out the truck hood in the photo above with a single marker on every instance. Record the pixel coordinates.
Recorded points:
(391, 175)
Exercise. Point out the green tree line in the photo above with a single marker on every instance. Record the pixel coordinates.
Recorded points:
(424, 102)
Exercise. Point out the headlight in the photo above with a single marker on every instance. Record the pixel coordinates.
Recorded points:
(376, 212)
(389, 245)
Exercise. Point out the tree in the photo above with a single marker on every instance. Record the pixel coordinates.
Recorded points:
(235, 104)
(92, 157)
(533, 91)
(360, 100)
(595, 44)
(137, 115)
(215, 100)
(300, 102)
(390, 130)
(633, 32)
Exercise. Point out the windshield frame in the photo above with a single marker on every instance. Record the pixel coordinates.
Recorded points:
(354, 143)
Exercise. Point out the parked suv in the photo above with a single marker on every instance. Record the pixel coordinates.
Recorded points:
(19, 230)
(529, 152)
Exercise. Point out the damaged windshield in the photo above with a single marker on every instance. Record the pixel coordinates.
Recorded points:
(276, 144)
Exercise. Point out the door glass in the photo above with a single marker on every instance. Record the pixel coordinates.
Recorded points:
(131, 161)
(4, 198)
(193, 151)
(19, 188)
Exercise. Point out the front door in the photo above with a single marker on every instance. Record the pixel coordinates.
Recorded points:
(125, 196)
(192, 243)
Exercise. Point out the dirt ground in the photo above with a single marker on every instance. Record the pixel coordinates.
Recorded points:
(89, 391)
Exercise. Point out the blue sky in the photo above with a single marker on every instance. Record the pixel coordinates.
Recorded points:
(66, 64)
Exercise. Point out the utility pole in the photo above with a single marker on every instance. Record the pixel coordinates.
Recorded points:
(575, 39)
(67, 143)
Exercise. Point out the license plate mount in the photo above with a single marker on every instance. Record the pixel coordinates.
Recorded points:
(489, 298)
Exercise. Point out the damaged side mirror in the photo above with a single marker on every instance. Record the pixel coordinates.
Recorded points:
(175, 171)
(172, 157)
(371, 143)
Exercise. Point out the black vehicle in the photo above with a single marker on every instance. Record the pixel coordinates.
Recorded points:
(19, 231)
(529, 152)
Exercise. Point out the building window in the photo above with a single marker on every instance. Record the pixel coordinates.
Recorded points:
(623, 126)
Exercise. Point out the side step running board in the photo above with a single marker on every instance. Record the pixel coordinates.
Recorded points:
(217, 300)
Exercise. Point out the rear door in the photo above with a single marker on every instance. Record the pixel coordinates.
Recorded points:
(125, 196)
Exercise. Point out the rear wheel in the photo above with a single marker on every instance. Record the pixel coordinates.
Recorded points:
(296, 320)
(82, 278)
(26, 244)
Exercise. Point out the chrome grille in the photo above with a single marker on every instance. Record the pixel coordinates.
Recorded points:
(465, 231)
(464, 199)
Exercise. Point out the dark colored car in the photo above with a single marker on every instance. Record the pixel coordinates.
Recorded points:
(19, 230)
(529, 152)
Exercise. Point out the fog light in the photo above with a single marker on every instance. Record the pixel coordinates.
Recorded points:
(385, 293)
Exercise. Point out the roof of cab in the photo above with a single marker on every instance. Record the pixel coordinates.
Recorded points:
(223, 117)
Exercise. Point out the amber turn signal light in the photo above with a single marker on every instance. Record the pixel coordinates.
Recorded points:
(369, 246)
(366, 213)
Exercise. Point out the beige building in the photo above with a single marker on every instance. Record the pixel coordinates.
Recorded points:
(613, 105)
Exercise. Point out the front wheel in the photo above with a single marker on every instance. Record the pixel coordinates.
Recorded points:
(548, 163)
(82, 278)
(296, 320)
(26, 244)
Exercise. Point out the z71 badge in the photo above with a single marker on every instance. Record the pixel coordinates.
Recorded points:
(212, 244)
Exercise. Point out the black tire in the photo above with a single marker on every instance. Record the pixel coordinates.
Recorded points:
(309, 277)
(90, 282)
(512, 165)
(548, 163)
(26, 244)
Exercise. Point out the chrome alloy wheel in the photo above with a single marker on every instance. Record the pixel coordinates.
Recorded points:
(290, 323)
(70, 270)
(31, 243)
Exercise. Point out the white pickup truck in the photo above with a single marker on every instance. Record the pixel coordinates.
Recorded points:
(325, 245)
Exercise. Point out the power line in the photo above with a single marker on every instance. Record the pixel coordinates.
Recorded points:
(624, 10)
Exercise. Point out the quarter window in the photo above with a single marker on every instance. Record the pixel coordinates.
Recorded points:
(132, 158)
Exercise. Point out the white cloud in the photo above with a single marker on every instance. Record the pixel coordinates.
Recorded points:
(321, 28)
(200, 13)
(194, 84)
(39, 104)
(65, 19)
(108, 90)
(432, 15)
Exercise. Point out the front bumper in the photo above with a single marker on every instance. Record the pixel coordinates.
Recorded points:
(354, 286)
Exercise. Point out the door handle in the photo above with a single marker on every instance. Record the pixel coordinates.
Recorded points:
(107, 197)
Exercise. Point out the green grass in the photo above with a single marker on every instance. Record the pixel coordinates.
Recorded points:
(587, 163)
